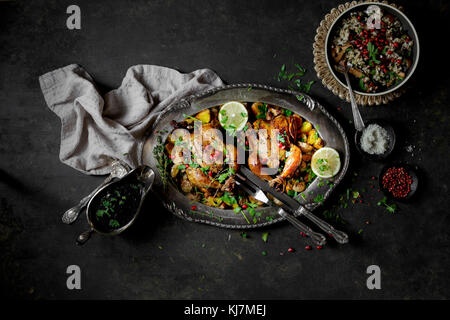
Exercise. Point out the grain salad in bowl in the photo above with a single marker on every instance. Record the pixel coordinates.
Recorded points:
(381, 56)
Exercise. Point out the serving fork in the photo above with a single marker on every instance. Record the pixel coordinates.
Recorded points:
(289, 209)
(318, 238)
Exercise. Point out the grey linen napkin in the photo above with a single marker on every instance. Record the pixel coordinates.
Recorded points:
(95, 129)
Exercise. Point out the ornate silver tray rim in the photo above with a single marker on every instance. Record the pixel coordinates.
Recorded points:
(179, 205)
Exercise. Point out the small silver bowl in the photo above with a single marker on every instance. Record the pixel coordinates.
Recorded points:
(377, 157)
(412, 170)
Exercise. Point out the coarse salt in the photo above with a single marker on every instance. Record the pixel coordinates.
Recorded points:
(374, 139)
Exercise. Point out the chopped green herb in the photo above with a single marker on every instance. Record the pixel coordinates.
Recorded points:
(114, 223)
(319, 198)
(391, 208)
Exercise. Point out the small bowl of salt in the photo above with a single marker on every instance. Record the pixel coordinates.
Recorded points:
(376, 141)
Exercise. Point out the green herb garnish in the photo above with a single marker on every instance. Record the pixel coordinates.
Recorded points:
(114, 223)
(391, 208)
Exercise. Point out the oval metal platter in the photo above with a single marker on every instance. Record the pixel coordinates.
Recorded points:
(174, 201)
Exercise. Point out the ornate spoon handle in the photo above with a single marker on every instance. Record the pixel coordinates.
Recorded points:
(72, 214)
(118, 170)
(339, 236)
(319, 239)
(359, 123)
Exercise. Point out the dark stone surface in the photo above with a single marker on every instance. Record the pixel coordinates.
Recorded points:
(163, 257)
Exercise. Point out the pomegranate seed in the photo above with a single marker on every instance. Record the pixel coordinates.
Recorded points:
(308, 248)
(186, 165)
(291, 250)
(193, 208)
(397, 181)
(210, 173)
(244, 206)
(319, 247)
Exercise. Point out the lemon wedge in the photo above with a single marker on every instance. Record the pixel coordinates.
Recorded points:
(325, 162)
(233, 116)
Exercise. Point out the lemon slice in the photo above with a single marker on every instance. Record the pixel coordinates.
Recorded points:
(325, 162)
(233, 116)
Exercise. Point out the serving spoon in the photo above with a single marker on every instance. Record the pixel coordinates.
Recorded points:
(118, 170)
(357, 119)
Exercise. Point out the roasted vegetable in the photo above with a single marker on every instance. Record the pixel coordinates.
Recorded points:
(204, 116)
(306, 127)
(312, 137)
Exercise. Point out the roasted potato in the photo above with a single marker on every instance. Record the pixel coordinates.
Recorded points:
(256, 108)
(306, 157)
(304, 146)
(312, 137)
(306, 127)
(204, 116)
(318, 144)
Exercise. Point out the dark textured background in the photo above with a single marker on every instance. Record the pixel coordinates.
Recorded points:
(163, 257)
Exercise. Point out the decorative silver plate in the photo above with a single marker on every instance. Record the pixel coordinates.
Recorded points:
(328, 128)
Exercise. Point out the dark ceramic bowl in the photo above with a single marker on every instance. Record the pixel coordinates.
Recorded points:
(412, 171)
(407, 26)
(377, 157)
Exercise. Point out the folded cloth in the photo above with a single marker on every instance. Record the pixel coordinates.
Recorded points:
(96, 129)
